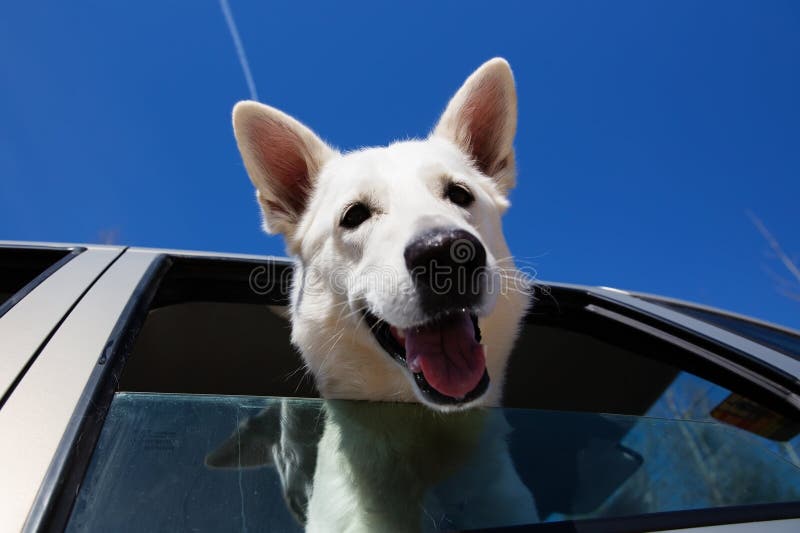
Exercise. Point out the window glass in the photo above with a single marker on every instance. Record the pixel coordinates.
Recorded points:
(222, 463)
(777, 339)
(600, 367)
(21, 269)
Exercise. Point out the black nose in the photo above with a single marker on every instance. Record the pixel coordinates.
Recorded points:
(447, 266)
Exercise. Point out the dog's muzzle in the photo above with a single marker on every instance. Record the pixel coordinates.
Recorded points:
(443, 353)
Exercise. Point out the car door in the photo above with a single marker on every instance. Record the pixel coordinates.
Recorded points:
(191, 326)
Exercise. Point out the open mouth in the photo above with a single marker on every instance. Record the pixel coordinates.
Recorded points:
(444, 355)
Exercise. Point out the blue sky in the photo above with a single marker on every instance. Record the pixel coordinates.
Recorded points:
(646, 128)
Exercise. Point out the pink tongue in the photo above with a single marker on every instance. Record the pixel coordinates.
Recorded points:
(447, 354)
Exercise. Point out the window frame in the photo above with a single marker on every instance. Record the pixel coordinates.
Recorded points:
(778, 366)
(129, 286)
(655, 298)
(42, 419)
(687, 308)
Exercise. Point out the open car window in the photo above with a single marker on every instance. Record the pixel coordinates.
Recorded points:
(208, 463)
(602, 420)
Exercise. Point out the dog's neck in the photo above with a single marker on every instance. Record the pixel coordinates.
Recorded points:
(385, 447)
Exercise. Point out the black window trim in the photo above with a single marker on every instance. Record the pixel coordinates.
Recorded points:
(735, 324)
(755, 378)
(556, 299)
(687, 333)
(634, 328)
(669, 302)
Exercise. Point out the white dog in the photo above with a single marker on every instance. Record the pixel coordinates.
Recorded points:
(400, 251)
(404, 290)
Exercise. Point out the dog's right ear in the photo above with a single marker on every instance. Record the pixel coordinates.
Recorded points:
(283, 158)
(481, 119)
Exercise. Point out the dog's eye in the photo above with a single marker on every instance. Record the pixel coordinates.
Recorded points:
(459, 195)
(355, 215)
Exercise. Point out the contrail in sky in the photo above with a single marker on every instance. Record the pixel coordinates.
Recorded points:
(237, 42)
(775, 245)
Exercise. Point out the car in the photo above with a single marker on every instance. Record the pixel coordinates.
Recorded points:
(124, 368)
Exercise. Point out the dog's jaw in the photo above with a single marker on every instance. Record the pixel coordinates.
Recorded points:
(444, 356)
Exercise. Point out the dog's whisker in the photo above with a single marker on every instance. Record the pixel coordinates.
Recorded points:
(306, 375)
(339, 331)
(338, 338)
(516, 274)
(516, 271)
(362, 318)
(292, 373)
(525, 257)
(326, 356)
(329, 339)
(355, 312)
(343, 308)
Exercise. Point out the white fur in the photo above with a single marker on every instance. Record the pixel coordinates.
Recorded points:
(304, 185)
(376, 467)
(374, 473)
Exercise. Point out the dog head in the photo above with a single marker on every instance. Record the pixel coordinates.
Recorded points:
(404, 287)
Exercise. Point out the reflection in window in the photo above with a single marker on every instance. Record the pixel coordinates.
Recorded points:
(180, 462)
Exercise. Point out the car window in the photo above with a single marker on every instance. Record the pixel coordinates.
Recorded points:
(210, 463)
(777, 339)
(213, 329)
(600, 367)
(603, 421)
(21, 269)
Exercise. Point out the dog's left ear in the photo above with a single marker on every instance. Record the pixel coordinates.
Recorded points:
(481, 119)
